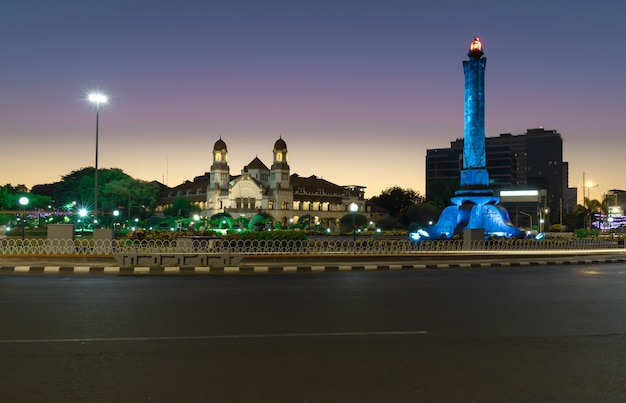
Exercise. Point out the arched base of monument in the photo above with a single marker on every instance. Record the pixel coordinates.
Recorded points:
(472, 210)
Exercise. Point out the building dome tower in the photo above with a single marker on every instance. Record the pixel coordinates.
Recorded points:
(220, 173)
(279, 172)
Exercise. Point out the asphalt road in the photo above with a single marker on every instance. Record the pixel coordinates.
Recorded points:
(522, 334)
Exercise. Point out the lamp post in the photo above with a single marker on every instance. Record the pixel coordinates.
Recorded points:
(116, 213)
(23, 202)
(98, 99)
(353, 207)
(531, 219)
(82, 213)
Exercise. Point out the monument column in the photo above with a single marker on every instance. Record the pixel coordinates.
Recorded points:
(475, 212)
(474, 173)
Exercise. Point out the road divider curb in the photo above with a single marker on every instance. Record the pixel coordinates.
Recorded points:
(287, 268)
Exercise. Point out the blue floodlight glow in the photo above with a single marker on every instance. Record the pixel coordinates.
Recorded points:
(416, 236)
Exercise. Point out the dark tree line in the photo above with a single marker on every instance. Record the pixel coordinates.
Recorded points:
(405, 207)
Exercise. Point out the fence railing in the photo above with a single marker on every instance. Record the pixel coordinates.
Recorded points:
(303, 247)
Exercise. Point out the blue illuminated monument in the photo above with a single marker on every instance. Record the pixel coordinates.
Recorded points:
(475, 206)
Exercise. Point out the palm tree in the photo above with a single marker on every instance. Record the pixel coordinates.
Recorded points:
(593, 206)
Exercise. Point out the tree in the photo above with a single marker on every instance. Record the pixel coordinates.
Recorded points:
(221, 220)
(77, 186)
(305, 222)
(126, 193)
(440, 192)
(10, 195)
(580, 216)
(593, 206)
(397, 200)
(345, 222)
(181, 207)
(116, 189)
(259, 221)
(388, 223)
(576, 218)
(422, 213)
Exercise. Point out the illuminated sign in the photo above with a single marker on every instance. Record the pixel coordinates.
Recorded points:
(519, 193)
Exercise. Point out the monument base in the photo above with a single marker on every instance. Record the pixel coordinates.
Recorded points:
(473, 209)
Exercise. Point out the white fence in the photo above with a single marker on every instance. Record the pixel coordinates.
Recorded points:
(278, 247)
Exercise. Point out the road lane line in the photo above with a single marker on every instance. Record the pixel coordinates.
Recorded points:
(217, 337)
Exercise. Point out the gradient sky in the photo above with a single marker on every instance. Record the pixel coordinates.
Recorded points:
(359, 90)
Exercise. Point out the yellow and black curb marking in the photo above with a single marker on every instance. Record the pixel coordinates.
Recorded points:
(255, 269)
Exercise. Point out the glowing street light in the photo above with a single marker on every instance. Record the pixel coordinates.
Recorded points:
(353, 207)
(116, 213)
(82, 213)
(98, 99)
(24, 203)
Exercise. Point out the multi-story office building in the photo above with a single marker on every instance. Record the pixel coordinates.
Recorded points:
(533, 160)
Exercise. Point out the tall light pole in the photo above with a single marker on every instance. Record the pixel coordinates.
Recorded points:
(353, 207)
(98, 99)
(23, 202)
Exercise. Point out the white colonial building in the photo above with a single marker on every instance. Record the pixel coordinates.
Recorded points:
(275, 191)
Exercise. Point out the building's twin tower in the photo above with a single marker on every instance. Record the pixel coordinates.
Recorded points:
(475, 206)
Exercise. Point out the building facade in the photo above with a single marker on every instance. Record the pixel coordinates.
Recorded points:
(286, 196)
(533, 160)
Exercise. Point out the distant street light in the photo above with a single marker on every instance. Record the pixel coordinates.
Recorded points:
(116, 213)
(24, 203)
(98, 99)
(82, 213)
(354, 207)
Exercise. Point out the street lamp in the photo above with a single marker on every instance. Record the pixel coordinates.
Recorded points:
(23, 202)
(116, 213)
(98, 99)
(531, 219)
(82, 213)
(353, 207)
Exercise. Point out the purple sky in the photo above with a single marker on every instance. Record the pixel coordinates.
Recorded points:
(359, 90)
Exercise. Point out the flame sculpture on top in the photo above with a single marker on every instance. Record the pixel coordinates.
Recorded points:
(475, 206)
